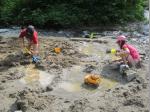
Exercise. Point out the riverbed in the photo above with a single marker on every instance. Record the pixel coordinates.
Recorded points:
(56, 84)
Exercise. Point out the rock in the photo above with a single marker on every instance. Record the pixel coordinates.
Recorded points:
(2, 88)
(126, 94)
(134, 90)
(144, 86)
(49, 88)
(15, 63)
(22, 105)
(72, 52)
(136, 102)
(130, 75)
(86, 34)
(15, 75)
(3, 51)
(54, 66)
(139, 87)
(4, 30)
(66, 101)
(146, 111)
(108, 90)
(139, 80)
(41, 66)
(7, 63)
(105, 41)
(3, 81)
(13, 95)
(89, 68)
(117, 88)
(25, 62)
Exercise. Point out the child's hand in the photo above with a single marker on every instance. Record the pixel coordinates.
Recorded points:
(117, 54)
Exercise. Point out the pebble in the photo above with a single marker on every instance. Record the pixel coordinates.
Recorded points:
(125, 94)
(2, 88)
(66, 101)
(3, 81)
(49, 88)
(13, 95)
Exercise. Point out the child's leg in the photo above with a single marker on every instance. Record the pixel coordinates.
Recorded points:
(131, 61)
(125, 60)
(35, 49)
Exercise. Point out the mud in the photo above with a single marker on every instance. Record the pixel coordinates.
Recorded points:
(56, 83)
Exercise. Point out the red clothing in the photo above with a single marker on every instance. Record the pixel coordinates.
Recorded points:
(133, 51)
(34, 39)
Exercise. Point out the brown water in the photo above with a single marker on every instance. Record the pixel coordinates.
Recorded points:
(74, 79)
(94, 49)
(70, 87)
(35, 75)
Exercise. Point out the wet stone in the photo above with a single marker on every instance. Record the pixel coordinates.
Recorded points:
(130, 75)
(139, 80)
(126, 94)
(13, 95)
(15, 75)
(49, 88)
(136, 102)
(66, 101)
(2, 88)
(144, 86)
(22, 105)
(3, 81)
(139, 87)
(89, 68)
(25, 62)
(41, 66)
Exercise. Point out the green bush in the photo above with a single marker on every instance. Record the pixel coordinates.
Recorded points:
(48, 13)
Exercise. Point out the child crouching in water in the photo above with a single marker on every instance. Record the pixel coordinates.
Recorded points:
(129, 54)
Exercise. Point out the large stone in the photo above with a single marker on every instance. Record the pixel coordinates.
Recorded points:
(25, 62)
(41, 66)
(49, 88)
(130, 75)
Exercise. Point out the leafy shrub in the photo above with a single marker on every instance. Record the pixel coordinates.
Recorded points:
(49, 13)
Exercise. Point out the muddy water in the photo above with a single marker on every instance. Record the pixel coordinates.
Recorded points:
(34, 75)
(74, 81)
(70, 87)
(72, 78)
(93, 49)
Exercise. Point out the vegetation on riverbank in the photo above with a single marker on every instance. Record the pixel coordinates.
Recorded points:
(69, 13)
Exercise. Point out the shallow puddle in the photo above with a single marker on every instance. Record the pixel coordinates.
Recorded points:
(94, 49)
(35, 75)
(73, 81)
(70, 87)
(107, 83)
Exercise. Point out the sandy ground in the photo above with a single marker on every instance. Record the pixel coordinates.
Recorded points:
(56, 84)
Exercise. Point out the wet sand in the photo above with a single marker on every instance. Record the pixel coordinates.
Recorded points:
(56, 84)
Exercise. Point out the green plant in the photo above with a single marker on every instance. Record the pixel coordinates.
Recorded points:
(70, 12)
